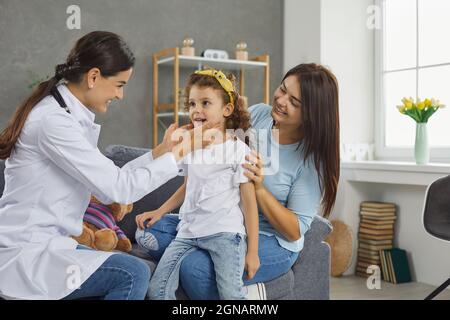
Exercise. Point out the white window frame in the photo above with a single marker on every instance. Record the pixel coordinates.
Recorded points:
(382, 152)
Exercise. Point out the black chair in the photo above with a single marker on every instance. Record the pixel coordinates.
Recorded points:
(436, 217)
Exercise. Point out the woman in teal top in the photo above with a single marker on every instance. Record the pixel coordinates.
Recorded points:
(294, 180)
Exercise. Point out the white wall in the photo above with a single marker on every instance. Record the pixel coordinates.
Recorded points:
(301, 32)
(347, 48)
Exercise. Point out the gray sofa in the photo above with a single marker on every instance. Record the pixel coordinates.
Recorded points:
(309, 277)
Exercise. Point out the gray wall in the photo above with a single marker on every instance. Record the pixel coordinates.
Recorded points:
(34, 38)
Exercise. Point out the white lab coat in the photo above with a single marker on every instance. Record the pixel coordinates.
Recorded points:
(49, 178)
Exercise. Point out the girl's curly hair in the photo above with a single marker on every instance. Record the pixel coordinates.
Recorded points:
(240, 118)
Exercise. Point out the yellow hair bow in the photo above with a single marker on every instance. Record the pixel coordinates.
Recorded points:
(226, 84)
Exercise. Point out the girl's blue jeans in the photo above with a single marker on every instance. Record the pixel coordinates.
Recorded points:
(227, 251)
(197, 276)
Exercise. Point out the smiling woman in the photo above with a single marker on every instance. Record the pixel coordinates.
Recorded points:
(96, 69)
(104, 89)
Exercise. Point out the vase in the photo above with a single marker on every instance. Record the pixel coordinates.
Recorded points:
(421, 148)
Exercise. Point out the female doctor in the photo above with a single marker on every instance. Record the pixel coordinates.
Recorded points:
(53, 165)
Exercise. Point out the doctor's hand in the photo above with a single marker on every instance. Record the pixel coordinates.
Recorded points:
(151, 216)
(190, 139)
(168, 142)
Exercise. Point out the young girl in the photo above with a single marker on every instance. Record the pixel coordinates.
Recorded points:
(210, 217)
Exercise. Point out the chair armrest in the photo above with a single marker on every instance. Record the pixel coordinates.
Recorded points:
(312, 268)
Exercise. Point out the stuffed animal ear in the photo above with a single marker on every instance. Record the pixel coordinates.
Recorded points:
(120, 210)
(94, 199)
(116, 208)
(129, 208)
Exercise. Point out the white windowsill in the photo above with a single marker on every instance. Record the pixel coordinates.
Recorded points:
(392, 172)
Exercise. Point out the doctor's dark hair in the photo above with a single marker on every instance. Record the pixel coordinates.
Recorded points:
(99, 49)
(320, 126)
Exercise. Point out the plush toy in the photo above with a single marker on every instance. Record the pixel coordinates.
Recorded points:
(100, 230)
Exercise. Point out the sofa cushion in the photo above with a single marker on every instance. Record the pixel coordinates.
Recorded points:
(312, 268)
(319, 230)
(121, 154)
(281, 288)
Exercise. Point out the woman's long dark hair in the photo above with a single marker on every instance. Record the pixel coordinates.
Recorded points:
(320, 126)
(99, 49)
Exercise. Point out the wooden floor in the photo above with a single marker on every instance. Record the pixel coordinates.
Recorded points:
(355, 288)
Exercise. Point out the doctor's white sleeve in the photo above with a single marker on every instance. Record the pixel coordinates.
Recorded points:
(140, 161)
(62, 140)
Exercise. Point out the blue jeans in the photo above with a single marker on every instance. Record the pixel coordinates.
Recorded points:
(197, 276)
(120, 277)
(227, 251)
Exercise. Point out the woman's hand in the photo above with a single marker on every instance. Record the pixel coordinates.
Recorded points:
(151, 216)
(254, 169)
(167, 143)
(251, 264)
(189, 139)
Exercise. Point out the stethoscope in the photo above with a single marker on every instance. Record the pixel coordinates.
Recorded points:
(55, 93)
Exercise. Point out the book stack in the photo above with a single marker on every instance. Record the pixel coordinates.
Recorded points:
(394, 265)
(376, 232)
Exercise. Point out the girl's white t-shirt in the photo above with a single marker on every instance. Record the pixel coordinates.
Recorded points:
(212, 199)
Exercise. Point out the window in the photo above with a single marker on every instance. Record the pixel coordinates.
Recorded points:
(412, 59)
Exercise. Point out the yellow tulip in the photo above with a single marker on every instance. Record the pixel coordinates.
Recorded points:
(408, 105)
(407, 100)
(420, 105)
(401, 109)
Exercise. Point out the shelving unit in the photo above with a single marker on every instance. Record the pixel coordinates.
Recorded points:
(171, 58)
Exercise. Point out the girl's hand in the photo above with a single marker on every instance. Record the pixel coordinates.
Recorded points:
(151, 216)
(251, 264)
(254, 169)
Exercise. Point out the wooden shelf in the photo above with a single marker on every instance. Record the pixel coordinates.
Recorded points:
(166, 106)
(170, 114)
(199, 62)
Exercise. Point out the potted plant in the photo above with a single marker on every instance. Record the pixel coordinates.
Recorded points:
(420, 111)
